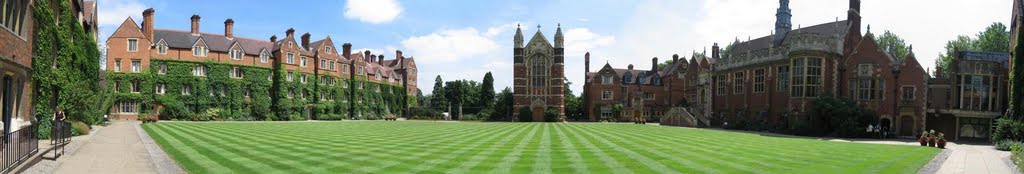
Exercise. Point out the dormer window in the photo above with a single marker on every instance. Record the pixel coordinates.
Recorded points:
(264, 57)
(628, 78)
(656, 79)
(236, 54)
(642, 77)
(199, 51)
(161, 48)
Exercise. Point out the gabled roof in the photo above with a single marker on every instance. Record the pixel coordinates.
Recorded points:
(539, 38)
(220, 43)
(838, 27)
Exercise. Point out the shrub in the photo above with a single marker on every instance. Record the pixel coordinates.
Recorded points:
(1017, 155)
(1004, 145)
(1008, 129)
(175, 110)
(79, 128)
(525, 114)
(551, 115)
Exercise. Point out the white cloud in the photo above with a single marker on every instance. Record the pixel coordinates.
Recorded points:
(114, 12)
(373, 11)
(452, 45)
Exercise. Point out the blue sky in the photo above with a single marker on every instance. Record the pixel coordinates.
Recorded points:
(463, 39)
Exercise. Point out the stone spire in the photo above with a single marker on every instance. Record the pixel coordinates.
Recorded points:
(559, 39)
(519, 37)
(782, 22)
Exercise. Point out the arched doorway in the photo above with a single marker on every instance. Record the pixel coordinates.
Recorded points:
(906, 126)
(538, 110)
(885, 124)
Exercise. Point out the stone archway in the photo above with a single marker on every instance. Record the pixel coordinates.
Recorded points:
(906, 125)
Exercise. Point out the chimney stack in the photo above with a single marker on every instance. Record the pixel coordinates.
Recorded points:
(654, 64)
(853, 17)
(273, 38)
(289, 33)
(229, 26)
(147, 23)
(195, 24)
(372, 58)
(399, 58)
(675, 58)
(346, 50)
(366, 54)
(305, 41)
(630, 66)
(586, 62)
(715, 51)
(380, 59)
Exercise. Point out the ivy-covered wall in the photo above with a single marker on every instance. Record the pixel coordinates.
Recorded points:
(271, 96)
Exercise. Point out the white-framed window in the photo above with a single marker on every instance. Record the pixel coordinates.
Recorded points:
(721, 88)
(607, 94)
(129, 107)
(344, 68)
(270, 77)
(378, 75)
(606, 112)
(291, 93)
(161, 48)
(290, 74)
(291, 58)
(759, 80)
(806, 78)
(360, 70)
(737, 82)
(136, 87)
(867, 89)
(606, 79)
(332, 65)
(13, 16)
(264, 57)
(198, 70)
(199, 51)
(236, 54)
(117, 65)
(236, 72)
(117, 86)
(323, 63)
(186, 89)
(160, 88)
(133, 45)
(908, 92)
(328, 49)
(302, 78)
(783, 78)
(344, 84)
(136, 65)
(162, 69)
(302, 61)
(648, 96)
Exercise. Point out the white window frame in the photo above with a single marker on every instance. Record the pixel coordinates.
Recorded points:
(133, 44)
(130, 107)
(136, 86)
(199, 70)
(606, 79)
(200, 51)
(913, 92)
(302, 60)
(161, 48)
(236, 54)
(290, 76)
(136, 65)
(186, 89)
(328, 49)
(117, 65)
(162, 68)
(264, 57)
(160, 88)
(607, 94)
(291, 58)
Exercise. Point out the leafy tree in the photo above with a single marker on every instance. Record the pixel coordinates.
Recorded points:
(437, 99)
(486, 93)
(503, 106)
(893, 44)
(995, 38)
(525, 114)
(573, 103)
(664, 64)
(841, 116)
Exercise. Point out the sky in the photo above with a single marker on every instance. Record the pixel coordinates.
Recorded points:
(462, 39)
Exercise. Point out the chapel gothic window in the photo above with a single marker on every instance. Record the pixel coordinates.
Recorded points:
(538, 72)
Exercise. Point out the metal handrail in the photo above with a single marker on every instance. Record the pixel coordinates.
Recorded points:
(18, 146)
(60, 137)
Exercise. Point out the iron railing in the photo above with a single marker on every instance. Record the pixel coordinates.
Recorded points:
(60, 137)
(18, 146)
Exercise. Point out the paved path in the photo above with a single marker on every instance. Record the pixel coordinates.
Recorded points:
(117, 149)
(976, 159)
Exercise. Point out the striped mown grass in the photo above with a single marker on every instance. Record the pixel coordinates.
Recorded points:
(438, 147)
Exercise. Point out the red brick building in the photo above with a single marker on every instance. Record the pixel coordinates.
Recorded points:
(965, 104)
(132, 48)
(539, 76)
(644, 93)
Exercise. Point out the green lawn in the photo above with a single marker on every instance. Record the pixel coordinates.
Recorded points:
(437, 147)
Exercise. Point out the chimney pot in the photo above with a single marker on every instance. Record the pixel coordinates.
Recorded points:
(654, 64)
(715, 51)
(380, 59)
(273, 38)
(229, 26)
(289, 33)
(366, 55)
(147, 23)
(305, 41)
(346, 50)
(630, 66)
(195, 24)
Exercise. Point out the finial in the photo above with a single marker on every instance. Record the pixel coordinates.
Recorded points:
(538, 26)
(869, 28)
(559, 25)
(518, 25)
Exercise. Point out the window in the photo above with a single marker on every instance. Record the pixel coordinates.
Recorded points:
(806, 77)
(656, 79)
(908, 93)
(160, 88)
(606, 113)
(135, 87)
(360, 69)
(538, 72)
(198, 70)
(291, 58)
(291, 93)
(721, 85)
(377, 75)
(117, 86)
(737, 82)
(117, 65)
(344, 84)
(783, 78)
(303, 61)
(606, 79)
(642, 77)
(186, 89)
(606, 95)
(236, 72)
(328, 49)
(133, 45)
(332, 65)
(867, 89)
(648, 96)
(302, 78)
(236, 54)
(162, 69)
(759, 80)
(627, 78)
(14, 15)
(248, 93)
(136, 65)
(199, 51)
(161, 48)
(264, 57)
(289, 78)
(344, 68)
(323, 63)
(129, 107)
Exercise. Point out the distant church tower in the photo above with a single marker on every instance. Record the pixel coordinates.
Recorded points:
(782, 22)
(539, 82)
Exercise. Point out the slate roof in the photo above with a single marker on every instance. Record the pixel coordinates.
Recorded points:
(220, 43)
(838, 27)
(89, 10)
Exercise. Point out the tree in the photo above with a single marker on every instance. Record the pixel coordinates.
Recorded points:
(994, 38)
(486, 93)
(662, 65)
(437, 101)
(503, 106)
(893, 44)
(840, 116)
(573, 103)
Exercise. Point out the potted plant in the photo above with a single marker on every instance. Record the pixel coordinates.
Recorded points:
(941, 141)
(923, 139)
(931, 138)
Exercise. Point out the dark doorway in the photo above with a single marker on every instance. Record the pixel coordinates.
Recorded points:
(906, 126)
